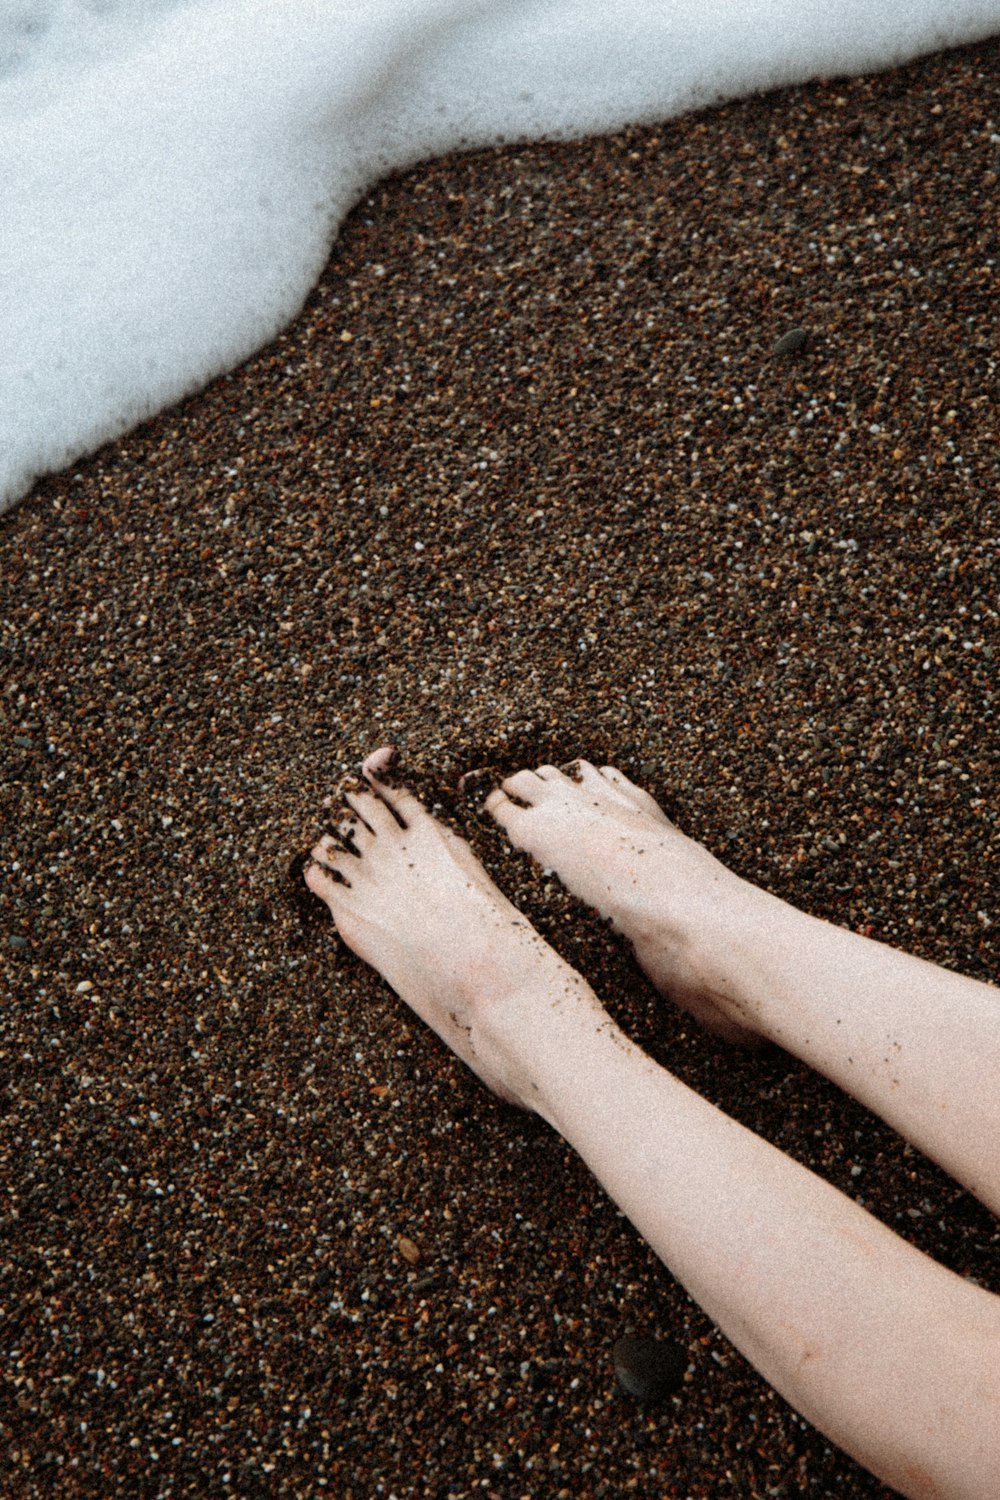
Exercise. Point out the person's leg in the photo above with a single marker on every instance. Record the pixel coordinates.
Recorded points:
(917, 1044)
(895, 1358)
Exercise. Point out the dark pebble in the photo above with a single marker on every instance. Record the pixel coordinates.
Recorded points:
(790, 342)
(16, 941)
(649, 1369)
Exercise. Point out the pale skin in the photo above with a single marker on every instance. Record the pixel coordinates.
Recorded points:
(893, 1357)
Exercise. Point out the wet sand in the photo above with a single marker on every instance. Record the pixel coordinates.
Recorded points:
(524, 481)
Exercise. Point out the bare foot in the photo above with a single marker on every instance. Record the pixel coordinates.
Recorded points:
(410, 898)
(613, 847)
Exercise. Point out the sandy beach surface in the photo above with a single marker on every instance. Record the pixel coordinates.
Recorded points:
(525, 480)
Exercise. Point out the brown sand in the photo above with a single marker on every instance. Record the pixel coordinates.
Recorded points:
(523, 481)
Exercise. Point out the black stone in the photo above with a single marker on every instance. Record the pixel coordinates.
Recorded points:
(790, 342)
(649, 1369)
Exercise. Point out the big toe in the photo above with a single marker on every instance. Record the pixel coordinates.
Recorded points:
(633, 793)
(378, 762)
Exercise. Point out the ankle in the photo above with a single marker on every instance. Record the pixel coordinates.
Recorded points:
(737, 951)
(532, 1035)
(706, 946)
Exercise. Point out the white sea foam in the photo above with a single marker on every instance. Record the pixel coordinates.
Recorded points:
(173, 172)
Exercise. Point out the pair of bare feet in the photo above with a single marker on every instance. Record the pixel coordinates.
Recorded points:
(892, 1356)
(410, 897)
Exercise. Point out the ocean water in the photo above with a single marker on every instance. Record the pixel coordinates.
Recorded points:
(174, 172)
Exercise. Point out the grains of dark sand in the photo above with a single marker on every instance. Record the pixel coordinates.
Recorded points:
(523, 481)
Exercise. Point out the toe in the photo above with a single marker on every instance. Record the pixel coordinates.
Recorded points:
(327, 849)
(501, 808)
(586, 771)
(353, 834)
(550, 773)
(324, 877)
(635, 794)
(401, 800)
(374, 813)
(526, 786)
(378, 763)
(571, 769)
(328, 852)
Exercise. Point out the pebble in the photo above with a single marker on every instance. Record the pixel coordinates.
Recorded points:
(16, 941)
(408, 1250)
(790, 342)
(647, 1368)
